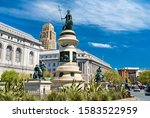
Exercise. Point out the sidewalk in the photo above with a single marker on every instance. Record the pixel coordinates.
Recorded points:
(128, 99)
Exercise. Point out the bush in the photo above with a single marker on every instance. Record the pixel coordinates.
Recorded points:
(10, 77)
(94, 93)
(24, 76)
(115, 95)
(29, 97)
(47, 74)
(6, 96)
(125, 93)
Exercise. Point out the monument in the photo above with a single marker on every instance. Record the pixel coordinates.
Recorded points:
(38, 84)
(39, 71)
(99, 76)
(68, 70)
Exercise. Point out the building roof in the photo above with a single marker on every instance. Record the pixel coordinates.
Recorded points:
(94, 58)
(19, 33)
(45, 52)
(130, 68)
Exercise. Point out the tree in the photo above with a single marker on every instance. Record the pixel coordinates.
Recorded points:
(24, 76)
(14, 85)
(47, 74)
(144, 77)
(112, 76)
(10, 77)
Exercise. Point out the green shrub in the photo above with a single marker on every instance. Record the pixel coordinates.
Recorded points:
(29, 97)
(6, 97)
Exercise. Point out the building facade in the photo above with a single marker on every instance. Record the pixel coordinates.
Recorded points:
(18, 50)
(48, 37)
(129, 73)
(88, 64)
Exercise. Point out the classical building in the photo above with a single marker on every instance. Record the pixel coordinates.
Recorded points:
(48, 37)
(87, 62)
(18, 50)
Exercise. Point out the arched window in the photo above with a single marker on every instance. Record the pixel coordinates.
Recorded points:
(9, 53)
(18, 55)
(31, 57)
(0, 50)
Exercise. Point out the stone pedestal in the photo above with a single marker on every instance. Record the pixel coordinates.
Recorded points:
(68, 70)
(38, 87)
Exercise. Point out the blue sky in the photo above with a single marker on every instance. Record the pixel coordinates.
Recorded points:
(117, 31)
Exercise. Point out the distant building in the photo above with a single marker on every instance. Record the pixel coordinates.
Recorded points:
(18, 50)
(129, 73)
(48, 37)
(88, 63)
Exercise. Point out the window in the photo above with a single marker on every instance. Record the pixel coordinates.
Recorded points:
(18, 55)
(80, 66)
(55, 56)
(31, 57)
(49, 64)
(9, 53)
(72, 74)
(49, 70)
(0, 50)
(54, 64)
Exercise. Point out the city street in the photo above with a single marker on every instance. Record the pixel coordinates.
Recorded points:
(140, 96)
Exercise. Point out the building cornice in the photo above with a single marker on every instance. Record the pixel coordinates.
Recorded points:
(18, 33)
(19, 44)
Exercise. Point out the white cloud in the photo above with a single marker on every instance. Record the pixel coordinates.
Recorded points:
(36, 10)
(100, 45)
(114, 14)
(125, 46)
(117, 15)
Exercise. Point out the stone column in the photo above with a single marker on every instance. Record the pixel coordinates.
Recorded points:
(68, 70)
(13, 55)
(4, 53)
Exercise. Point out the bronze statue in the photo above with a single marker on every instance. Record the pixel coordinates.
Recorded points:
(42, 66)
(99, 77)
(64, 56)
(68, 23)
(39, 70)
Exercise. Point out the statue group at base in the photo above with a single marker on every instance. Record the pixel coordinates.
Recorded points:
(39, 71)
(99, 76)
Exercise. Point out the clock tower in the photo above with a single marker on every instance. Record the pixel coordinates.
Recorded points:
(48, 37)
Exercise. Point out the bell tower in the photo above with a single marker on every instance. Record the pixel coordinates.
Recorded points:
(48, 37)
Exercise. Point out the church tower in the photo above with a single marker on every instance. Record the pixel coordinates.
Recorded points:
(48, 37)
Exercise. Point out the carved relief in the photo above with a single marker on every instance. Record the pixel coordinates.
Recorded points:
(64, 56)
